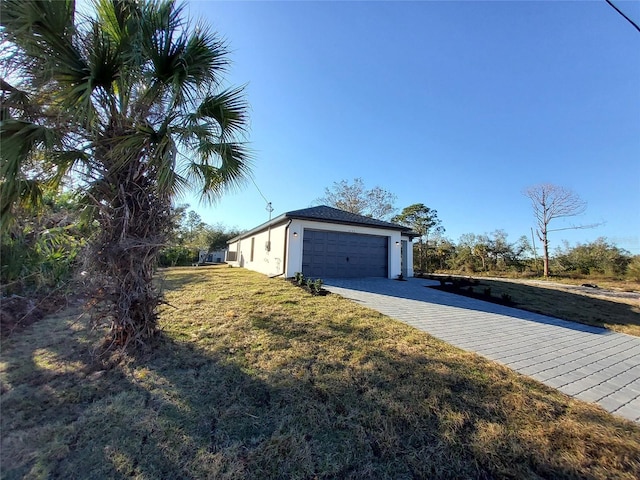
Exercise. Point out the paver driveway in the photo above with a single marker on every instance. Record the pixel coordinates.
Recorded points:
(589, 363)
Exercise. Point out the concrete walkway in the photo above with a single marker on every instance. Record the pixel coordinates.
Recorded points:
(589, 363)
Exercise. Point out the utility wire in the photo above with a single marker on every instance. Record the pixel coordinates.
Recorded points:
(269, 207)
(621, 13)
(257, 188)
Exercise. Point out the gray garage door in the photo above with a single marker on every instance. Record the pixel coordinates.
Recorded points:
(339, 255)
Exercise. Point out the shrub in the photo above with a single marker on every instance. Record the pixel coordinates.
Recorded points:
(633, 269)
(175, 256)
(40, 251)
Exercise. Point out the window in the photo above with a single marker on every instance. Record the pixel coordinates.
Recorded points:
(253, 244)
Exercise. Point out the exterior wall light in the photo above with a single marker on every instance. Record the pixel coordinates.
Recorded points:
(397, 243)
(295, 234)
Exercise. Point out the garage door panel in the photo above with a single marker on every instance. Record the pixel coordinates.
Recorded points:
(338, 254)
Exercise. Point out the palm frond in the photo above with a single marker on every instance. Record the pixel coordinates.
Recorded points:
(119, 19)
(23, 191)
(163, 161)
(104, 60)
(228, 109)
(15, 101)
(19, 138)
(63, 162)
(184, 62)
(224, 167)
(46, 35)
(205, 57)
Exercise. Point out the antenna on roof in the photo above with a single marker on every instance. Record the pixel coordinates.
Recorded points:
(269, 208)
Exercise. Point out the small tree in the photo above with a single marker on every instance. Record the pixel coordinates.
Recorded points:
(550, 202)
(424, 221)
(219, 234)
(193, 223)
(444, 251)
(356, 198)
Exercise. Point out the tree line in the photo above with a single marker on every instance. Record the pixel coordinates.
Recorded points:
(492, 252)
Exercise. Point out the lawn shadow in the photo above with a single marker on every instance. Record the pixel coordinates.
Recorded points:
(578, 305)
(161, 414)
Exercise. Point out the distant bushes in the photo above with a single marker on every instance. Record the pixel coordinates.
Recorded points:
(177, 256)
(633, 269)
(598, 258)
(493, 254)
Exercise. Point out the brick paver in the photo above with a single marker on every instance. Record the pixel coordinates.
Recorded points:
(589, 363)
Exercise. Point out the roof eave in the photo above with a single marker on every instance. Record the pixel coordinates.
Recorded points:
(276, 221)
(345, 222)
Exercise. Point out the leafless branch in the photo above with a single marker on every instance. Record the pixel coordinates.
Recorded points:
(578, 227)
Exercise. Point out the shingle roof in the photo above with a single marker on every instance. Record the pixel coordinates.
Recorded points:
(323, 213)
(335, 215)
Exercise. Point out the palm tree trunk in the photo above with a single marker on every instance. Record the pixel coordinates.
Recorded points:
(133, 230)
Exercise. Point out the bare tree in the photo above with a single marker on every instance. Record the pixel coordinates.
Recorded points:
(356, 198)
(550, 202)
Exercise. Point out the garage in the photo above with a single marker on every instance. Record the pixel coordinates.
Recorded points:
(324, 242)
(331, 254)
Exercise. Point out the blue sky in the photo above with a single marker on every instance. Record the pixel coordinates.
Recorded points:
(457, 105)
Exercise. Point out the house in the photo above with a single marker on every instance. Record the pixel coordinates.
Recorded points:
(205, 256)
(324, 242)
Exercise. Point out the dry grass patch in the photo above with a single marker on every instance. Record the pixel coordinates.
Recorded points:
(585, 306)
(255, 378)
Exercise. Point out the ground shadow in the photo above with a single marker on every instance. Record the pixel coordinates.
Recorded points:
(415, 289)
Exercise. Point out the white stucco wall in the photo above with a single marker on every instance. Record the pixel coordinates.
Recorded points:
(409, 255)
(289, 242)
(294, 249)
(268, 261)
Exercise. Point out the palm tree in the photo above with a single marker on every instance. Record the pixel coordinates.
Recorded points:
(126, 104)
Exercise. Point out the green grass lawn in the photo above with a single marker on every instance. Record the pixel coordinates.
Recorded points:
(254, 378)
